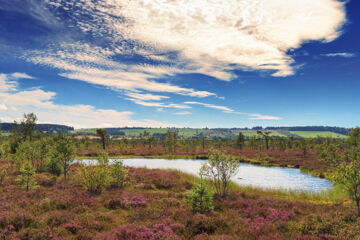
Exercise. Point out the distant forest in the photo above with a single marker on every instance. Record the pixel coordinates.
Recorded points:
(6, 127)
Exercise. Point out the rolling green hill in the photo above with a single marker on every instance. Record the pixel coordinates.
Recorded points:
(314, 134)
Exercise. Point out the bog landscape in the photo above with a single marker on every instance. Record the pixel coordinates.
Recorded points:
(179, 120)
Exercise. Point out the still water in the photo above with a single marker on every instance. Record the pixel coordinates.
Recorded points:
(253, 175)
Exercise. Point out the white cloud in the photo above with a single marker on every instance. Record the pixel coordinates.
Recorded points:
(183, 113)
(262, 117)
(42, 104)
(3, 107)
(222, 108)
(213, 36)
(158, 104)
(145, 97)
(341, 54)
(95, 65)
(21, 75)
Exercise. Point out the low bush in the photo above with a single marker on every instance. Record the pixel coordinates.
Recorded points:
(95, 178)
(200, 199)
(27, 177)
(119, 174)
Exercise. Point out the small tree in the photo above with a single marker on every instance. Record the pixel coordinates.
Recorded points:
(266, 136)
(119, 174)
(240, 140)
(3, 174)
(354, 137)
(200, 198)
(101, 132)
(348, 175)
(95, 178)
(54, 166)
(27, 177)
(64, 152)
(28, 125)
(219, 169)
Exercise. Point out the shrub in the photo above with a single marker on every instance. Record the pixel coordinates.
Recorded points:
(348, 176)
(55, 167)
(3, 174)
(219, 169)
(200, 199)
(119, 174)
(94, 178)
(27, 177)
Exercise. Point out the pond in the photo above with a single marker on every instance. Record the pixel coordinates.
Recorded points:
(251, 175)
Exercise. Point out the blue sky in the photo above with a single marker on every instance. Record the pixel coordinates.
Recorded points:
(200, 63)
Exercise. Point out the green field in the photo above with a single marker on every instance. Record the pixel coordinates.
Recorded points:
(182, 132)
(197, 132)
(314, 134)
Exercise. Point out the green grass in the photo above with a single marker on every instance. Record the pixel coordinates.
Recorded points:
(314, 134)
(83, 131)
(330, 196)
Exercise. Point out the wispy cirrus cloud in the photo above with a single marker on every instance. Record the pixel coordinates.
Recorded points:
(145, 96)
(341, 54)
(262, 117)
(208, 105)
(183, 113)
(159, 104)
(95, 65)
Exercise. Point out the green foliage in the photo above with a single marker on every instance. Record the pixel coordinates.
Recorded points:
(200, 198)
(54, 166)
(28, 125)
(64, 152)
(27, 151)
(219, 169)
(266, 136)
(119, 174)
(37, 152)
(101, 132)
(348, 175)
(329, 154)
(170, 140)
(354, 137)
(95, 178)
(240, 141)
(3, 174)
(27, 177)
(103, 158)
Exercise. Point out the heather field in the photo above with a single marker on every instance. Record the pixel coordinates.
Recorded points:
(153, 207)
(47, 193)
